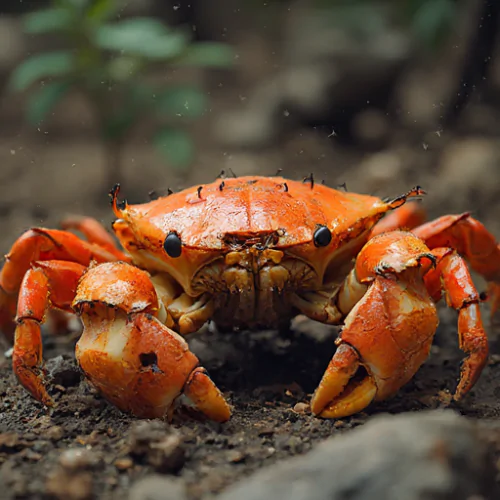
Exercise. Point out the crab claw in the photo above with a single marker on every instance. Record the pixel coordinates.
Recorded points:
(129, 355)
(356, 394)
(386, 337)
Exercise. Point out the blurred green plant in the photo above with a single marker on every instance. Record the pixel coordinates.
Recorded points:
(429, 20)
(108, 59)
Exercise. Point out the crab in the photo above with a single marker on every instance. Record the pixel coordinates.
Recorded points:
(249, 252)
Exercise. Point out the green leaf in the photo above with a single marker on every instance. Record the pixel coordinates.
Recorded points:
(41, 103)
(145, 37)
(208, 55)
(176, 146)
(123, 68)
(46, 21)
(188, 102)
(101, 10)
(37, 67)
(432, 21)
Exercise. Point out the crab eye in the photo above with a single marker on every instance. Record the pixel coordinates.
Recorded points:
(173, 245)
(322, 236)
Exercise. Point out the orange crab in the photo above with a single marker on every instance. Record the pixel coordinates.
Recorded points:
(249, 252)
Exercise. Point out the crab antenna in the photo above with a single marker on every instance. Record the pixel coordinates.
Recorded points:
(310, 179)
(416, 192)
(118, 206)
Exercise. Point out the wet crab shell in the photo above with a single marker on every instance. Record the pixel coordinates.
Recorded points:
(213, 219)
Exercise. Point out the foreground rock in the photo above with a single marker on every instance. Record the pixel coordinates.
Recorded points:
(158, 488)
(413, 456)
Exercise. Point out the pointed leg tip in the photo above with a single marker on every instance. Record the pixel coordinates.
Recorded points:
(37, 389)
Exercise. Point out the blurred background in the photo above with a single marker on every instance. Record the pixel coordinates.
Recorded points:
(158, 94)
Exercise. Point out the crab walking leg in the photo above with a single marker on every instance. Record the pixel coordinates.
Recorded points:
(136, 362)
(47, 284)
(472, 241)
(408, 216)
(94, 232)
(47, 244)
(41, 245)
(388, 333)
(452, 277)
(321, 306)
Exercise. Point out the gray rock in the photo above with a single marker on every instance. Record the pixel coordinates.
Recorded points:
(156, 487)
(427, 455)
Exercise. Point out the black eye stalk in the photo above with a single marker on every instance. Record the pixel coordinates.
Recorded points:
(173, 245)
(322, 236)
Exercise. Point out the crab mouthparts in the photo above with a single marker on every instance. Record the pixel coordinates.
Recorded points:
(250, 288)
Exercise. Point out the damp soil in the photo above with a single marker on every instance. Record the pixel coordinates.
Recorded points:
(85, 448)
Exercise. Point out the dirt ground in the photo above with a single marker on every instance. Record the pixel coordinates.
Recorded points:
(84, 448)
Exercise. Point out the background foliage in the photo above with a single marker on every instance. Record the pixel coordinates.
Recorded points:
(109, 59)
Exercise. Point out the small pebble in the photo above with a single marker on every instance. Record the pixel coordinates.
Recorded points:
(301, 408)
(236, 457)
(78, 458)
(55, 433)
(91, 439)
(124, 463)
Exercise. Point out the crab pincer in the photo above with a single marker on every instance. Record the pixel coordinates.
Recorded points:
(129, 355)
(388, 334)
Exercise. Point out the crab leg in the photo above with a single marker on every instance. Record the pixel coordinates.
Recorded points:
(138, 364)
(94, 232)
(47, 284)
(41, 245)
(47, 244)
(452, 277)
(408, 216)
(472, 241)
